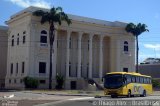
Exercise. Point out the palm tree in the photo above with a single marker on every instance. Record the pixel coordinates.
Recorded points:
(55, 15)
(136, 30)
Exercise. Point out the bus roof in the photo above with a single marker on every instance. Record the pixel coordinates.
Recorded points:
(129, 73)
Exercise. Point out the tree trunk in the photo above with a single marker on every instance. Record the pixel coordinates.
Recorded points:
(137, 52)
(51, 39)
(50, 69)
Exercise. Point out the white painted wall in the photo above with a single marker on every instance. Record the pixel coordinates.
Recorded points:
(114, 59)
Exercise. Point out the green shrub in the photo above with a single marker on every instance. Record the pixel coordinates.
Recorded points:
(60, 81)
(155, 83)
(31, 82)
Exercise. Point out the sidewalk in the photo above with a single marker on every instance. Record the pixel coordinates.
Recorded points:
(6, 95)
(156, 93)
(76, 93)
(68, 92)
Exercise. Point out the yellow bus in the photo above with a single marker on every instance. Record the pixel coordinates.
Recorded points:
(127, 84)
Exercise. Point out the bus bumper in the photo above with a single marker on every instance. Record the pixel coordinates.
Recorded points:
(113, 92)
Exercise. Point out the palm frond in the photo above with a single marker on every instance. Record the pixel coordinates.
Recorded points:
(59, 9)
(45, 18)
(144, 27)
(58, 19)
(39, 13)
(130, 28)
(53, 11)
(56, 15)
(65, 17)
(136, 29)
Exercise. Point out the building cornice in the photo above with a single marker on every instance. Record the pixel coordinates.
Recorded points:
(31, 9)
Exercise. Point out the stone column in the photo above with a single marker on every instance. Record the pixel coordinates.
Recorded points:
(90, 54)
(115, 49)
(68, 53)
(79, 54)
(54, 58)
(118, 52)
(112, 54)
(101, 56)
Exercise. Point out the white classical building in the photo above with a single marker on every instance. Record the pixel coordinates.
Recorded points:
(88, 48)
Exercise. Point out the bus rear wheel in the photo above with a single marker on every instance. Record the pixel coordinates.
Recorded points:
(144, 94)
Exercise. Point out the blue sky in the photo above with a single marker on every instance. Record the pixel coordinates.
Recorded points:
(144, 11)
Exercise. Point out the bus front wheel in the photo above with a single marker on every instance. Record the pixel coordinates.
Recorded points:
(113, 96)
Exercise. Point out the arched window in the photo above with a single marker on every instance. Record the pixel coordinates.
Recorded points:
(70, 43)
(43, 32)
(43, 37)
(24, 32)
(81, 70)
(87, 70)
(70, 69)
(24, 37)
(12, 40)
(125, 46)
(18, 39)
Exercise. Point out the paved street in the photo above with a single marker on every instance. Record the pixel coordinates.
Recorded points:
(41, 99)
(30, 99)
(107, 101)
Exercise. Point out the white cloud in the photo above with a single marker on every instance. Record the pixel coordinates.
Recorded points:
(27, 3)
(152, 46)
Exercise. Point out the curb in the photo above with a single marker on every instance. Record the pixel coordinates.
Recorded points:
(51, 103)
(60, 94)
(68, 94)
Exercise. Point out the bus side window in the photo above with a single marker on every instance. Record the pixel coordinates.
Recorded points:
(137, 79)
(145, 80)
(125, 79)
(133, 79)
(141, 79)
(128, 78)
(150, 80)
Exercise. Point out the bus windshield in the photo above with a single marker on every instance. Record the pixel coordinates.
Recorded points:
(113, 81)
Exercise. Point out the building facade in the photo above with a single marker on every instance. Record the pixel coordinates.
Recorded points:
(88, 48)
(150, 69)
(3, 55)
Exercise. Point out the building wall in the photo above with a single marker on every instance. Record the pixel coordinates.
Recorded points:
(18, 53)
(82, 50)
(150, 69)
(3, 55)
